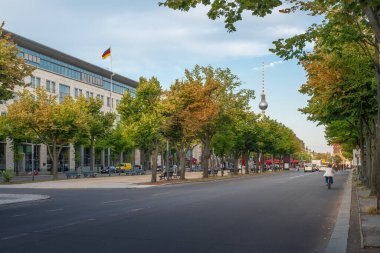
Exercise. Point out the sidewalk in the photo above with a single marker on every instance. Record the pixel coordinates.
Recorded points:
(338, 239)
(370, 224)
(98, 182)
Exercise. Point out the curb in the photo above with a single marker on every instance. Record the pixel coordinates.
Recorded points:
(338, 239)
(360, 220)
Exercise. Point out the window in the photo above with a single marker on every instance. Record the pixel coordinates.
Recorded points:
(38, 82)
(108, 101)
(47, 85)
(64, 91)
(91, 94)
(87, 94)
(80, 92)
(52, 87)
(76, 92)
(32, 81)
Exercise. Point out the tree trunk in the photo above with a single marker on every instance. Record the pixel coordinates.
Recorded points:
(92, 153)
(54, 161)
(182, 161)
(154, 167)
(376, 28)
(205, 157)
(236, 164)
(246, 162)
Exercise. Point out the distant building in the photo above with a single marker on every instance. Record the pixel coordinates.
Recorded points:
(337, 149)
(64, 75)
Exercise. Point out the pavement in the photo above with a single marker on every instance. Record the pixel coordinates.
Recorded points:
(102, 182)
(284, 212)
(338, 239)
(369, 224)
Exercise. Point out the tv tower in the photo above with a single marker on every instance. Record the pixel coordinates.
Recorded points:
(263, 103)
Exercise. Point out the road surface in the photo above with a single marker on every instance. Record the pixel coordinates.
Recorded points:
(286, 212)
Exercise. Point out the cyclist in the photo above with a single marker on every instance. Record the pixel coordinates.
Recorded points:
(329, 173)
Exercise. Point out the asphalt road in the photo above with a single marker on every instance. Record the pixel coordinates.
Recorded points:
(291, 212)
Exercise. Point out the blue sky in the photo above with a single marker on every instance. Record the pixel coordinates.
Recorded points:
(148, 40)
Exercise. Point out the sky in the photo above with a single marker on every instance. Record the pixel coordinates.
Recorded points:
(148, 40)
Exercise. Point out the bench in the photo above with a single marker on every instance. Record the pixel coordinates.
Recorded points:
(89, 174)
(130, 173)
(213, 172)
(72, 174)
(163, 175)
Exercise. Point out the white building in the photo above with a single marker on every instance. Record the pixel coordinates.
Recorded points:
(65, 75)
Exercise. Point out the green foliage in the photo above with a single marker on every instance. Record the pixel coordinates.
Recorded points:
(231, 11)
(7, 176)
(13, 68)
(141, 117)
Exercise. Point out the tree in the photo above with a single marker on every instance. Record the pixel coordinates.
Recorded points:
(142, 118)
(13, 68)
(98, 124)
(53, 124)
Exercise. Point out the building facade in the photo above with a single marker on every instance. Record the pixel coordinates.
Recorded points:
(64, 75)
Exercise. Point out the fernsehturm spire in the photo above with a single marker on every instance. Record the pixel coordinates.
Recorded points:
(263, 103)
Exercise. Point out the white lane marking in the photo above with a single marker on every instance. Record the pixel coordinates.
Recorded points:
(55, 210)
(91, 219)
(13, 236)
(162, 193)
(299, 176)
(135, 210)
(19, 215)
(114, 201)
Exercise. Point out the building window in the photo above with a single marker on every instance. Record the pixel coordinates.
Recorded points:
(47, 85)
(108, 101)
(38, 82)
(91, 94)
(64, 91)
(87, 94)
(52, 87)
(76, 92)
(32, 81)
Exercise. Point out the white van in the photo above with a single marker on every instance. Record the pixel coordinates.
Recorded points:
(308, 167)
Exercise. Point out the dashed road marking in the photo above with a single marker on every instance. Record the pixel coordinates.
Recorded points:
(55, 210)
(114, 201)
(19, 215)
(13, 236)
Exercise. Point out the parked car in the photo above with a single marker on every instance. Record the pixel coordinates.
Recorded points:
(322, 168)
(308, 168)
(108, 170)
(123, 167)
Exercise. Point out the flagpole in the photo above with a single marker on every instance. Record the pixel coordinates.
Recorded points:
(111, 81)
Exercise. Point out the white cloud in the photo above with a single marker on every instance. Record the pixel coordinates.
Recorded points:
(270, 65)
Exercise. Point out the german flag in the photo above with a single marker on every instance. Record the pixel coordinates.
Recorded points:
(106, 53)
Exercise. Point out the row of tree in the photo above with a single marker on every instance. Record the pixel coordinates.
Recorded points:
(201, 108)
(206, 107)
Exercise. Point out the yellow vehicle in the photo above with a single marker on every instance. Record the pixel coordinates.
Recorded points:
(123, 167)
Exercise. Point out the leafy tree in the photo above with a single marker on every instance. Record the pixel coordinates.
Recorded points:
(142, 118)
(51, 123)
(98, 123)
(13, 69)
